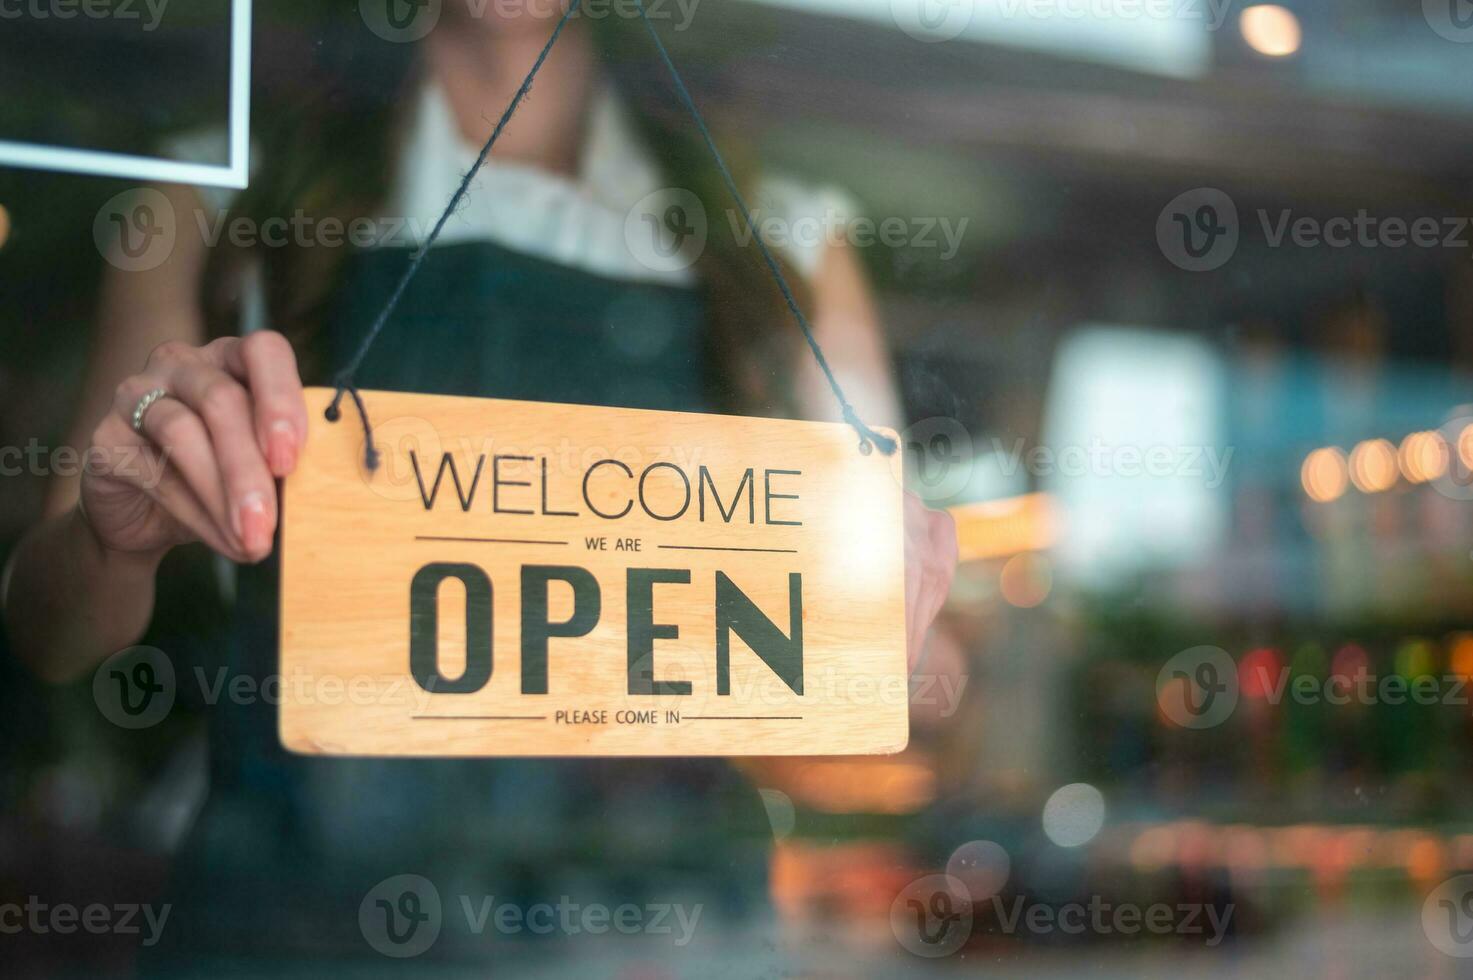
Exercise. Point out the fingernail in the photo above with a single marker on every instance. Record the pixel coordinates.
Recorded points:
(252, 525)
(281, 447)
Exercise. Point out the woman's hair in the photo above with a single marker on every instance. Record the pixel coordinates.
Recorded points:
(329, 117)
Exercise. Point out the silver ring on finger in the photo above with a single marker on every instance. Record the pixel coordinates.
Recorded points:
(144, 404)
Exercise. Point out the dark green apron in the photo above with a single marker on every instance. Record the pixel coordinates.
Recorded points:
(287, 847)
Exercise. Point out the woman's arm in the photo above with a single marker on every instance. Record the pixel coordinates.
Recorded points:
(847, 326)
(68, 599)
(80, 585)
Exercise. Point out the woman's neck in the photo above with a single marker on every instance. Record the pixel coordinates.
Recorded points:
(480, 71)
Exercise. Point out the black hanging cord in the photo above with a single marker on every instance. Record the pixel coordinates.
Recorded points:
(867, 436)
(344, 379)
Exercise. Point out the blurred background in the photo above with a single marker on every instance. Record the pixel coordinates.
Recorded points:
(1190, 368)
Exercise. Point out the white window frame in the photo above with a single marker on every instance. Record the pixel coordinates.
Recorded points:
(235, 173)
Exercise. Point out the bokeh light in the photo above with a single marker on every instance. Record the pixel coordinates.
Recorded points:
(1259, 672)
(982, 865)
(1271, 30)
(1350, 663)
(1324, 474)
(1461, 658)
(1423, 456)
(1465, 446)
(1026, 580)
(1373, 466)
(1415, 658)
(1074, 814)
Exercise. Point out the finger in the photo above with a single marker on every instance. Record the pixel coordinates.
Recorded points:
(225, 407)
(265, 362)
(945, 552)
(931, 556)
(183, 443)
(941, 569)
(916, 536)
(119, 449)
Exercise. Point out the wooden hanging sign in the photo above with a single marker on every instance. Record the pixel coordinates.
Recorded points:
(530, 579)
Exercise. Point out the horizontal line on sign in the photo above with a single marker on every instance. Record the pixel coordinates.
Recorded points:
(480, 717)
(743, 717)
(707, 547)
(433, 537)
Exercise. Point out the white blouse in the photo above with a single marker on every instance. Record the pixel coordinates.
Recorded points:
(614, 218)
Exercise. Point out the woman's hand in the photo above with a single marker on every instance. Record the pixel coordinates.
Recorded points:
(930, 565)
(205, 466)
